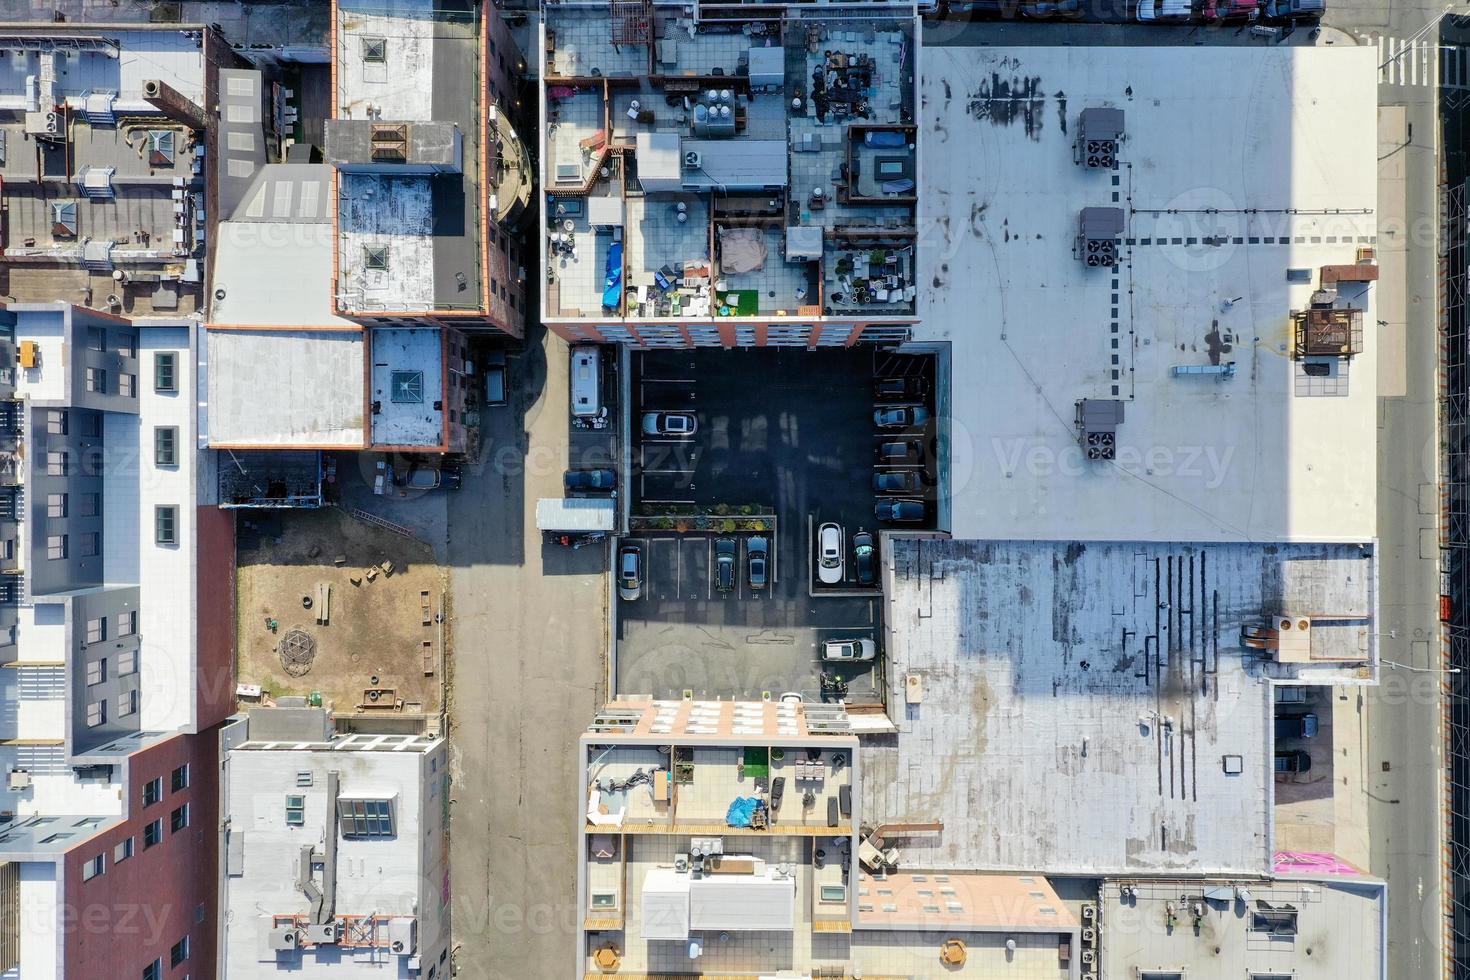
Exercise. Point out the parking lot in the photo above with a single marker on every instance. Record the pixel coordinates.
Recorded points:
(786, 430)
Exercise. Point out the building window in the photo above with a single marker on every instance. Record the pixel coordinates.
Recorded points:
(127, 623)
(96, 713)
(57, 463)
(96, 339)
(166, 445)
(92, 424)
(152, 833)
(127, 704)
(55, 546)
(295, 811)
(97, 670)
(165, 524)
(89, 505)
(127, 663)
(56, 422)
(365, 818)
(152, 791)
(94, 867)
(375, 50)
(179, 952)
(90, 544)
(55, 505)
(123, 850)
(127, 343)
(165, 371)
(179, 819)
(97, 380)
(97, 629)
(179, 779)
(153, 971)
(127, 385)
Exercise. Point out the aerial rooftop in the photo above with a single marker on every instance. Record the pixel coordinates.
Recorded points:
(405, 138)
(1072, 706)
(103, 188)
(1232, 199)
(698, 170)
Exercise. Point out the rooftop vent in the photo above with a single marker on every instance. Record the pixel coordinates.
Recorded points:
(407, 387)
(1328, 332)
(390, 143)
(160, 148)
(375, 50)
(63, 219)
(1101, 132)
(1097, 427)
(1097, 245)
(375, 258)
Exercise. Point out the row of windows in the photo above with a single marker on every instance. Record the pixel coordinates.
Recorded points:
(165, 452)
(126, 624)
(178, 953)
(178, 780)
(58, 505)
(127, 665)
(165, 531)
(127, 705)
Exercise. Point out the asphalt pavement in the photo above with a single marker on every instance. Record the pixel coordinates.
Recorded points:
(530, 639)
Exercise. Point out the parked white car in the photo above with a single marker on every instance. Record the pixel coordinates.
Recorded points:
(831, 555)
(854, 649)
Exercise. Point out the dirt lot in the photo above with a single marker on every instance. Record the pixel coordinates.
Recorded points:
(375, 629)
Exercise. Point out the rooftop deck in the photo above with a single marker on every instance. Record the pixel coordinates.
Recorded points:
(760, 168)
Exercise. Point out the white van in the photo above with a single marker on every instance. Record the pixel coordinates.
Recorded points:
(586, 382)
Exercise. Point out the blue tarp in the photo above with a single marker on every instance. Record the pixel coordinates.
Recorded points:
(612, 284)
(741, 811)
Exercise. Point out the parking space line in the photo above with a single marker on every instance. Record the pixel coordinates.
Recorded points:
(709, 580)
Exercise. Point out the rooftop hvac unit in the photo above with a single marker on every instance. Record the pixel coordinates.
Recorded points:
(692, 160)
(18, 780)
(1089, 936)
(1089, 912)
(403, 934)
(321, 935)
(1089, 958)
(1097, 244)
(1101, 132)
(1097, 427)
(284, 939)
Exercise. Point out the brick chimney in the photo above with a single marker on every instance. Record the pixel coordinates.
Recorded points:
(172, 103)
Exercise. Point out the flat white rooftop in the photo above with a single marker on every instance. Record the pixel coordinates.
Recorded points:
(285, 388)
(408, 386)
(1070, 706)
(385, 59)
(1286, 134)
(175, 57)
(274, 273)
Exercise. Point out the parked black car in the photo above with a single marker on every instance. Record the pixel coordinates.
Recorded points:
(725, 564)
(896, 481)
(1293, 761)
(908, 388)
(897, 452)
(900, 511)
(865, 557)
(593, 481)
